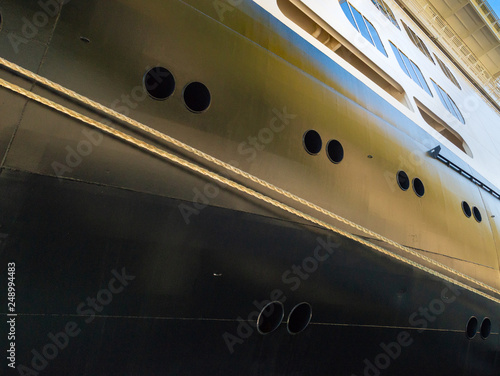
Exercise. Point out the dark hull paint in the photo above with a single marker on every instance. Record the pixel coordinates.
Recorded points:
(193, 281)
(66, 237)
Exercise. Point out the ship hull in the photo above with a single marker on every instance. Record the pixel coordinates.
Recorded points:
(184, 297)
(126, 264)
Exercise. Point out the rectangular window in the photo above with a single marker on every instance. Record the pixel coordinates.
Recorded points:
(375, 37)
(347, 10)
(411, 69)
(361, 25)
(386, 11)
(448, 103)
(364, 26)
(418, 42)
(447, 72)
(400, 60)
(423, 83)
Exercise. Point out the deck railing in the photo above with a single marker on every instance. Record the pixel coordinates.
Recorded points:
(427, 14)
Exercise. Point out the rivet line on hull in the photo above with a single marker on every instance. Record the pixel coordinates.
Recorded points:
(214, 176)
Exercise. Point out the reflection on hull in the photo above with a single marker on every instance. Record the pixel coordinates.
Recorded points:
(127, 263)
(182, 294)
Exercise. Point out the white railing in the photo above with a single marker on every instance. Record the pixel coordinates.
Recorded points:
(427, 14)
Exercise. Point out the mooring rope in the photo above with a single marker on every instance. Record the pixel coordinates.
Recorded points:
(228, 167)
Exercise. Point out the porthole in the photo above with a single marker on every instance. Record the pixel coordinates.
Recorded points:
(466, 209)
(403, 180)
(197, 97)
(418, 187)
(159, 83)
(270, 317)
(335, 151)
(471, 328)
(485, 328)
(312, 142)
(299, 318)
(477, 214)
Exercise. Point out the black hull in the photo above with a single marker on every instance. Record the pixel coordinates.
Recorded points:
(192, 282)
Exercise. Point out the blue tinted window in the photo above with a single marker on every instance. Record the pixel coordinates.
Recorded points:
(440, 94)
(384, 8)
(400, 60)
(411, 69)
(448, 103)
(459, 114)
(376, 38)
(346, 8)
(361, 25)
(423, 83)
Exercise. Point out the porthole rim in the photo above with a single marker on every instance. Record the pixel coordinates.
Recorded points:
(184, 97)
(463, 209)
(467, 324)
(304, 142)
(480, 219)
(481, 327)
(328, 154)
(290, 314)
(399, 184)
(413, 186)
(280, 321)
(146, 89)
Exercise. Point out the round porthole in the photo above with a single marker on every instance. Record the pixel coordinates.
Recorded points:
(485, 328)
(466, 209)
(477, 214)
(471, 328)
(299, 318)
(270, 317)
(312, 142)
(197, 97)
(403, 180)
(335, 151)
(159, 83)
(418, 187)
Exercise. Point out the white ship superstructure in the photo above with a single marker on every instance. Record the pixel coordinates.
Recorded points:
(249, 187)
(474, 133)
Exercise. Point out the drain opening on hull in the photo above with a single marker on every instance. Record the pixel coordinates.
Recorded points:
(471, 328)
(485, 328)
(299, 318)
(270, 317)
